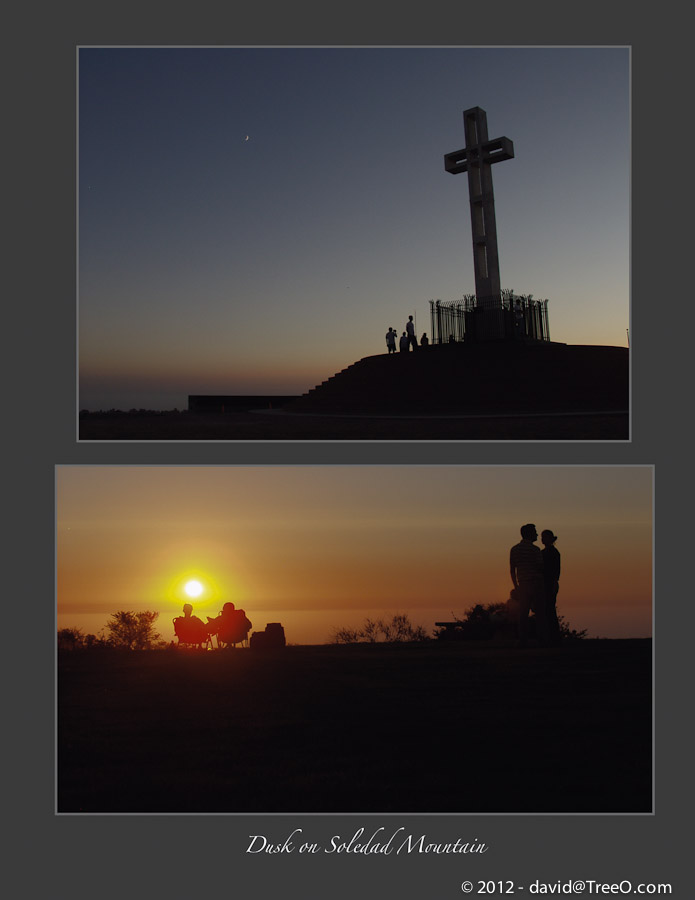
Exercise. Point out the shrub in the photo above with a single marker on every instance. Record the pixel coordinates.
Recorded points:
(74, 639)
(478, 624)
(70, 639)
(481, 622)
(567, 633)
(398, 630)
(132, 631)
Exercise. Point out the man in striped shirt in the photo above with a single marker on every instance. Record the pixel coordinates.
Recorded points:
(526, 568)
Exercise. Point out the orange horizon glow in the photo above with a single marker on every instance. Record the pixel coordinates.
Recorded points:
(322, 547)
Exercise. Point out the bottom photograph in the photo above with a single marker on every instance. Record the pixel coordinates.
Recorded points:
(354, 639)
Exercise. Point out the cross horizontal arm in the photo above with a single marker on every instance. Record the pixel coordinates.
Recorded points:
(488, 152)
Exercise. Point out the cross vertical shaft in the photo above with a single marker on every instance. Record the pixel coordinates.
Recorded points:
(477, 159)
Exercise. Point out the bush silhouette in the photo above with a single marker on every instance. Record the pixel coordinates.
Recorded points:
(482, 622)
(398, 630)
(132, 631)
(479, 623)
(70, 639)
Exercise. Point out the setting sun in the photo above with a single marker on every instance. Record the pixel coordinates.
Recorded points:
(313, 549)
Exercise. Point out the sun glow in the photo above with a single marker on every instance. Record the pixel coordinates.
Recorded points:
(193, 584)
(193, 588)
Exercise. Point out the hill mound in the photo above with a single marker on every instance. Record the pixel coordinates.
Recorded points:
(459, 379)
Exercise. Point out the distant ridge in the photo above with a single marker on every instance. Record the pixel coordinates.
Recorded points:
(490, 378)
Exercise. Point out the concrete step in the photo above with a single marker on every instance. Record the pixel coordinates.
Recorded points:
(480, 378)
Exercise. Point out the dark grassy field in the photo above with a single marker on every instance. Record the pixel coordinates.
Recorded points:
(249, 426)
(363, 728)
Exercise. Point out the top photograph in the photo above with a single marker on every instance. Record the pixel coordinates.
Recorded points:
(271, 245)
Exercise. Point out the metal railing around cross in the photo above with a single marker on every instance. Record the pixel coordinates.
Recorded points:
(522, 318)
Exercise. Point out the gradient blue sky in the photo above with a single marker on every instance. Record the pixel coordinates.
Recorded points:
(212, 264)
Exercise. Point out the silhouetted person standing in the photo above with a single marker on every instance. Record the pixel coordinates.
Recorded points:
(391, 340)
(551, 578)
(403, 343)
(526, 569)
(410, 329)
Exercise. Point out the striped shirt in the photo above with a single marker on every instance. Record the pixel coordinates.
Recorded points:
(526, 561)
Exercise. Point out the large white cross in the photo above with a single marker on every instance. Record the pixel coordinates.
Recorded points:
(477, 159)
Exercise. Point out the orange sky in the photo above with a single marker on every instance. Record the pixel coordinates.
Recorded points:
(320, 547)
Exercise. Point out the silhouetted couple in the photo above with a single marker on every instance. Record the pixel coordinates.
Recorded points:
(536, 575)
(231, 626)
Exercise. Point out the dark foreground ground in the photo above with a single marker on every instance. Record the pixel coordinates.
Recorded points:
(279, 426)
(420, 728)
(478, 392)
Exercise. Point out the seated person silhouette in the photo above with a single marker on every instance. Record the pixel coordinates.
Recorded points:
(231, 626)
(189, 629)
